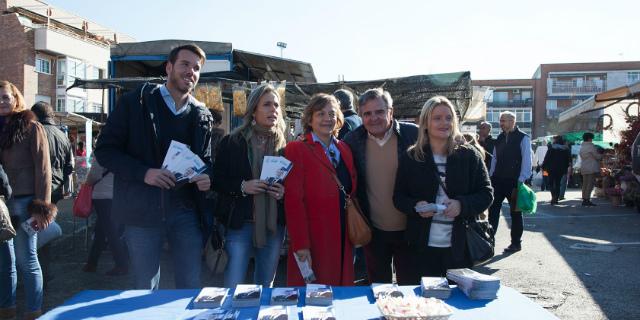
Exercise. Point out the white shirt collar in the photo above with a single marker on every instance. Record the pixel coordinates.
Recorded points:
(385, 139)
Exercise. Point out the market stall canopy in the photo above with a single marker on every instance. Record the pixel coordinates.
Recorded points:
(162, 47)
(71, 119)
(408, 93)
(258, 66)
(603, 100)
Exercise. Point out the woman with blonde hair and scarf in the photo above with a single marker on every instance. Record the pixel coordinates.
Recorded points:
(251, 209)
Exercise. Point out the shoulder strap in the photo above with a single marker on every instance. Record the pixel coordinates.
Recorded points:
(150, 108)
(335, 177)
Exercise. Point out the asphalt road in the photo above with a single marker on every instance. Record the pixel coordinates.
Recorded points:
(589, 281)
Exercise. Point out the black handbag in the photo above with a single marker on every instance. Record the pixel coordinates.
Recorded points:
(479, 234)
(480, 240)
(215, 254)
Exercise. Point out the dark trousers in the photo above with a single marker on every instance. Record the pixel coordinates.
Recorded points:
(57, 194)
(545, 183)
(388, 247)
(506, 188)
(432, 262)
(107, 232)
(554, 182)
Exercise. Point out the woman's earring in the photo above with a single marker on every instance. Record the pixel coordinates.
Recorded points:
(253, 122)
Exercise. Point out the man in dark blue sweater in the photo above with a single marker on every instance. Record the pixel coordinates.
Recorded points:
(510, 165)
(146, 198)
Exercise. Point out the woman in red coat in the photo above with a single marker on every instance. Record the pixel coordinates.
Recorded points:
(314, 204)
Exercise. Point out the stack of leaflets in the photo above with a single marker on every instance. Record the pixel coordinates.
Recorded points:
(383, 290)
(319, 294)
(435, 287)
(275, 169)
(318, 313)
(246, 295)
(182, 162)
(278, 313)
(475, 285)
(218, 314)
(284, 296)
(210, 297)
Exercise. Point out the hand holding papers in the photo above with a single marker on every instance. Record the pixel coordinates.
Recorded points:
(275, 169)
(182, 162)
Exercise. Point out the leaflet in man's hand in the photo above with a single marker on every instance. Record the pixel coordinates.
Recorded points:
(182, 162)
(275, 169)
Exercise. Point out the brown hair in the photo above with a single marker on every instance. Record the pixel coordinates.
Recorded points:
(173, 55)
(317, 103)
(17, 95)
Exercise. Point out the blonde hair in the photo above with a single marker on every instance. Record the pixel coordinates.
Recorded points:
(17, 95)
(455, 139)
(317, 103)
(252, 104)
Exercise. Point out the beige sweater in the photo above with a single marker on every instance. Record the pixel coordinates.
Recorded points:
(590, 158)
(382, 164)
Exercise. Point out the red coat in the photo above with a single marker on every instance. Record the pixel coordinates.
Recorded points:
(312, 208)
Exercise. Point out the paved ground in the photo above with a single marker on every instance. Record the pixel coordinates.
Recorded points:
(570, 283)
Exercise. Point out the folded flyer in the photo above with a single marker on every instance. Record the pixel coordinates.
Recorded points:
(275, 169)
(182, 162)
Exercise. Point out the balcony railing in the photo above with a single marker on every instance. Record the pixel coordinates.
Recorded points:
(575, 87)
(527, 103)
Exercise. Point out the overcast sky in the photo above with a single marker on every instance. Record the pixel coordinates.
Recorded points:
(366, 40)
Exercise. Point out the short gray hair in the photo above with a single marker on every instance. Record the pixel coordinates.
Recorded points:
(375, 93)
(508, 114)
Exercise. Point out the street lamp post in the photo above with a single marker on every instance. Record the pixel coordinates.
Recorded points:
(282, 46)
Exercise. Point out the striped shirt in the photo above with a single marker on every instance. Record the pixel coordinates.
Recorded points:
(441, 226)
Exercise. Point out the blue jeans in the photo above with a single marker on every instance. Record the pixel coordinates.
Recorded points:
(239, 246)
(20, 254)
(563, 186)
(182, 230)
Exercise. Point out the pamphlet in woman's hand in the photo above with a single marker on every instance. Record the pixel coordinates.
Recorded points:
(275, 169)
(182, 162)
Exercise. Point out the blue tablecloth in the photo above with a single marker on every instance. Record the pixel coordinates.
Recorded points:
(349, 303)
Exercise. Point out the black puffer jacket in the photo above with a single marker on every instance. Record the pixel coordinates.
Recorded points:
(357, 140)
(128, 147)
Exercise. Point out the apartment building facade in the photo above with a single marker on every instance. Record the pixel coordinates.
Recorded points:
(515, 95)
(45, 49)
(564, 85)
(553, 89)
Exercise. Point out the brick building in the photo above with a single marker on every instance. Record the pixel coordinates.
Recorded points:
(44, 49)
(554, 88)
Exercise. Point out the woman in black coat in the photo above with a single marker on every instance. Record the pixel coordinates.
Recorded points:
(251, 209)
(440, 169)
(557, 162)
